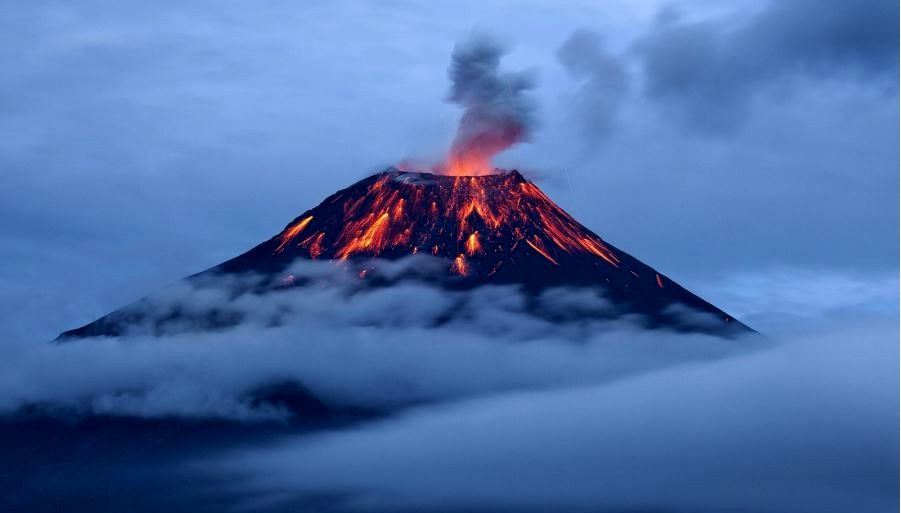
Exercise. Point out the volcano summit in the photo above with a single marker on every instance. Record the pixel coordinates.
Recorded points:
(497, 229)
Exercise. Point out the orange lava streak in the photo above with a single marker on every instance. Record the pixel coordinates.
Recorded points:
(481, 209)
(399, 210)
(568, 237)
(399, 213)
(373, 238)
(659, 281)
(402, 238)
(472, 244)
(459, 265)
(600, 250)
(538, 246)
(564, 230)
(315, 244)
(292, 232)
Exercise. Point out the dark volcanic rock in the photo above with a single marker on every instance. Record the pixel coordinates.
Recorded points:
(496, 229)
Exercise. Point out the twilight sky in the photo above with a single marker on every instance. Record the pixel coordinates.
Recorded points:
(747, 150)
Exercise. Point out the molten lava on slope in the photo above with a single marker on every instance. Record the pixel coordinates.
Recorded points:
(496, 229)
(490, 229)
(479, 219)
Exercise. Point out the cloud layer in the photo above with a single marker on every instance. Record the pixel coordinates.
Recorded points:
(494, 409)
(705, 72)
(351, 346)
(809, 425)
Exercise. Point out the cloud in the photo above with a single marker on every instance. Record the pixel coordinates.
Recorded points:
(604, 83)
(709, 71)
(349, 345)
(706, 71)
(793, 299)
(810, 424)
(492, 410)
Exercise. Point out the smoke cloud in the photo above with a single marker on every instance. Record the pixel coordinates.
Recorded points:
(497, 113)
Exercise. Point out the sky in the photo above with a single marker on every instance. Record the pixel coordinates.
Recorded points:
(746, 149)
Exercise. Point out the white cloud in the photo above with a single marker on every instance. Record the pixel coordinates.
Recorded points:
(808, 425)
(349, 344)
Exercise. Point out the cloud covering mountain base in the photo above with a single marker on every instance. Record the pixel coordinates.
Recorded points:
(808, 425)
(349, 344)
(490, 409)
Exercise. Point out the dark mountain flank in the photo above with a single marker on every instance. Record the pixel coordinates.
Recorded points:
(494, 229)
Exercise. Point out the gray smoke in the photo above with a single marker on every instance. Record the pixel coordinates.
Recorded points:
(497, 112)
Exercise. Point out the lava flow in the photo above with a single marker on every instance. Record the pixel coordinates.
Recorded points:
(474, 222)
(465, 232)
(492, 229)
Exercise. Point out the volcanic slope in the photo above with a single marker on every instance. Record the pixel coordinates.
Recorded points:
(492, 229)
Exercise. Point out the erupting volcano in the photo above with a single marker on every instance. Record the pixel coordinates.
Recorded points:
(489, 227)
(479, 223)
(496, 229)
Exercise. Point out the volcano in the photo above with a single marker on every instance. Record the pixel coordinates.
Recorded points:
(496, 229)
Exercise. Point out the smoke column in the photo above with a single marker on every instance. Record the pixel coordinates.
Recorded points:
(496, 111)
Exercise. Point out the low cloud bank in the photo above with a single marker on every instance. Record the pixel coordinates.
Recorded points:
(350, 346)
(496, 409)
(808, 425)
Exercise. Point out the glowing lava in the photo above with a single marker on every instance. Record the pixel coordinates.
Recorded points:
(472, 244)
(475, 222)
(497, 229)
(292, 232)
(459, 265)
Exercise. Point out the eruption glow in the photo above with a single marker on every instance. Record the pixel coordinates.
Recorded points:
(472, 221)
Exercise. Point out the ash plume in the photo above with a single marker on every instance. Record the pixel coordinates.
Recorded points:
(497, 111)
